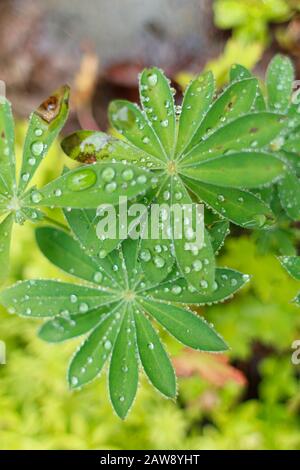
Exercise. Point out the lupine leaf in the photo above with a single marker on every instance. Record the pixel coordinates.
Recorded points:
(51, 298)
(186, 326)
(7, 151)
(218, 232)
(91, 185)
(70, 326)
(155, 90)
(155, 253)
(92, 146)
(5, 238)
(251, 131)
(228, 281)
(44, 125)
(90, 358)
(279, 81)
(238, 170)
(292, 265)
(129, 120)
(64, 252)
(289, 194)
(241, 207)
(123, 371)
(154, 358)
(193, 250)
(238, 72)
(237, 99)
(197, 99)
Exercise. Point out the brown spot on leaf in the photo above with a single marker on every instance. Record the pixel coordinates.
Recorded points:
(50, 108)
(253, 130)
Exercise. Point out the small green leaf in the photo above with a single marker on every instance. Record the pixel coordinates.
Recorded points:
(279, 80)
(89, 186)
(292, 265)
(92, 146)
(123, 371)
(93, 353)
(186, 326)
(237, 99)
(193, 250)
(197, 99)
(64, 252)
(239, 72)
(155, 254)
(251, 131)
(70, 326)
(5, 238)
(51, 298)
(228, 282)
(128, 119)
(289, 194)
(44, 125)
(218, 232)
(7, 150)
(238, 170)
(240, 207)
(158, 103)
(154, 358)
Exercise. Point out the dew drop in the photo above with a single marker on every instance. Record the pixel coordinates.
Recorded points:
(127, 175)
(98, 277)
(37, 148)
(111, 187)
(145, 255)
(108, 174)
(83, 307)
(152, 79)
(159, 262)
(151, 346)
(81, 180)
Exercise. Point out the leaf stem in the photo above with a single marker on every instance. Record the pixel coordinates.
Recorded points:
(56, 223)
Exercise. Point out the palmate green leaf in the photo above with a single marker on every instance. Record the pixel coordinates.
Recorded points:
(38, 298)
(289, 194)
(116, 319)
(154, 358)
(228, 282)
(124, 367)
(207, 130)
(44, 125)
(252, 131)
(197, 99)
(241, 169)
(7, 151)
(239, 206)
(279, 81)
(93, 353)
(129, 120)
(5, 238)
(90, 186)
(292, 265)
(186, 326)
(155, 90)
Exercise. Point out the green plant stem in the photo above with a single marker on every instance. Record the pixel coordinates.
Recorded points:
(56, 223)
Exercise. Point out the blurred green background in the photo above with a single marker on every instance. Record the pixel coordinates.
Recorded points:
(251, 400)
